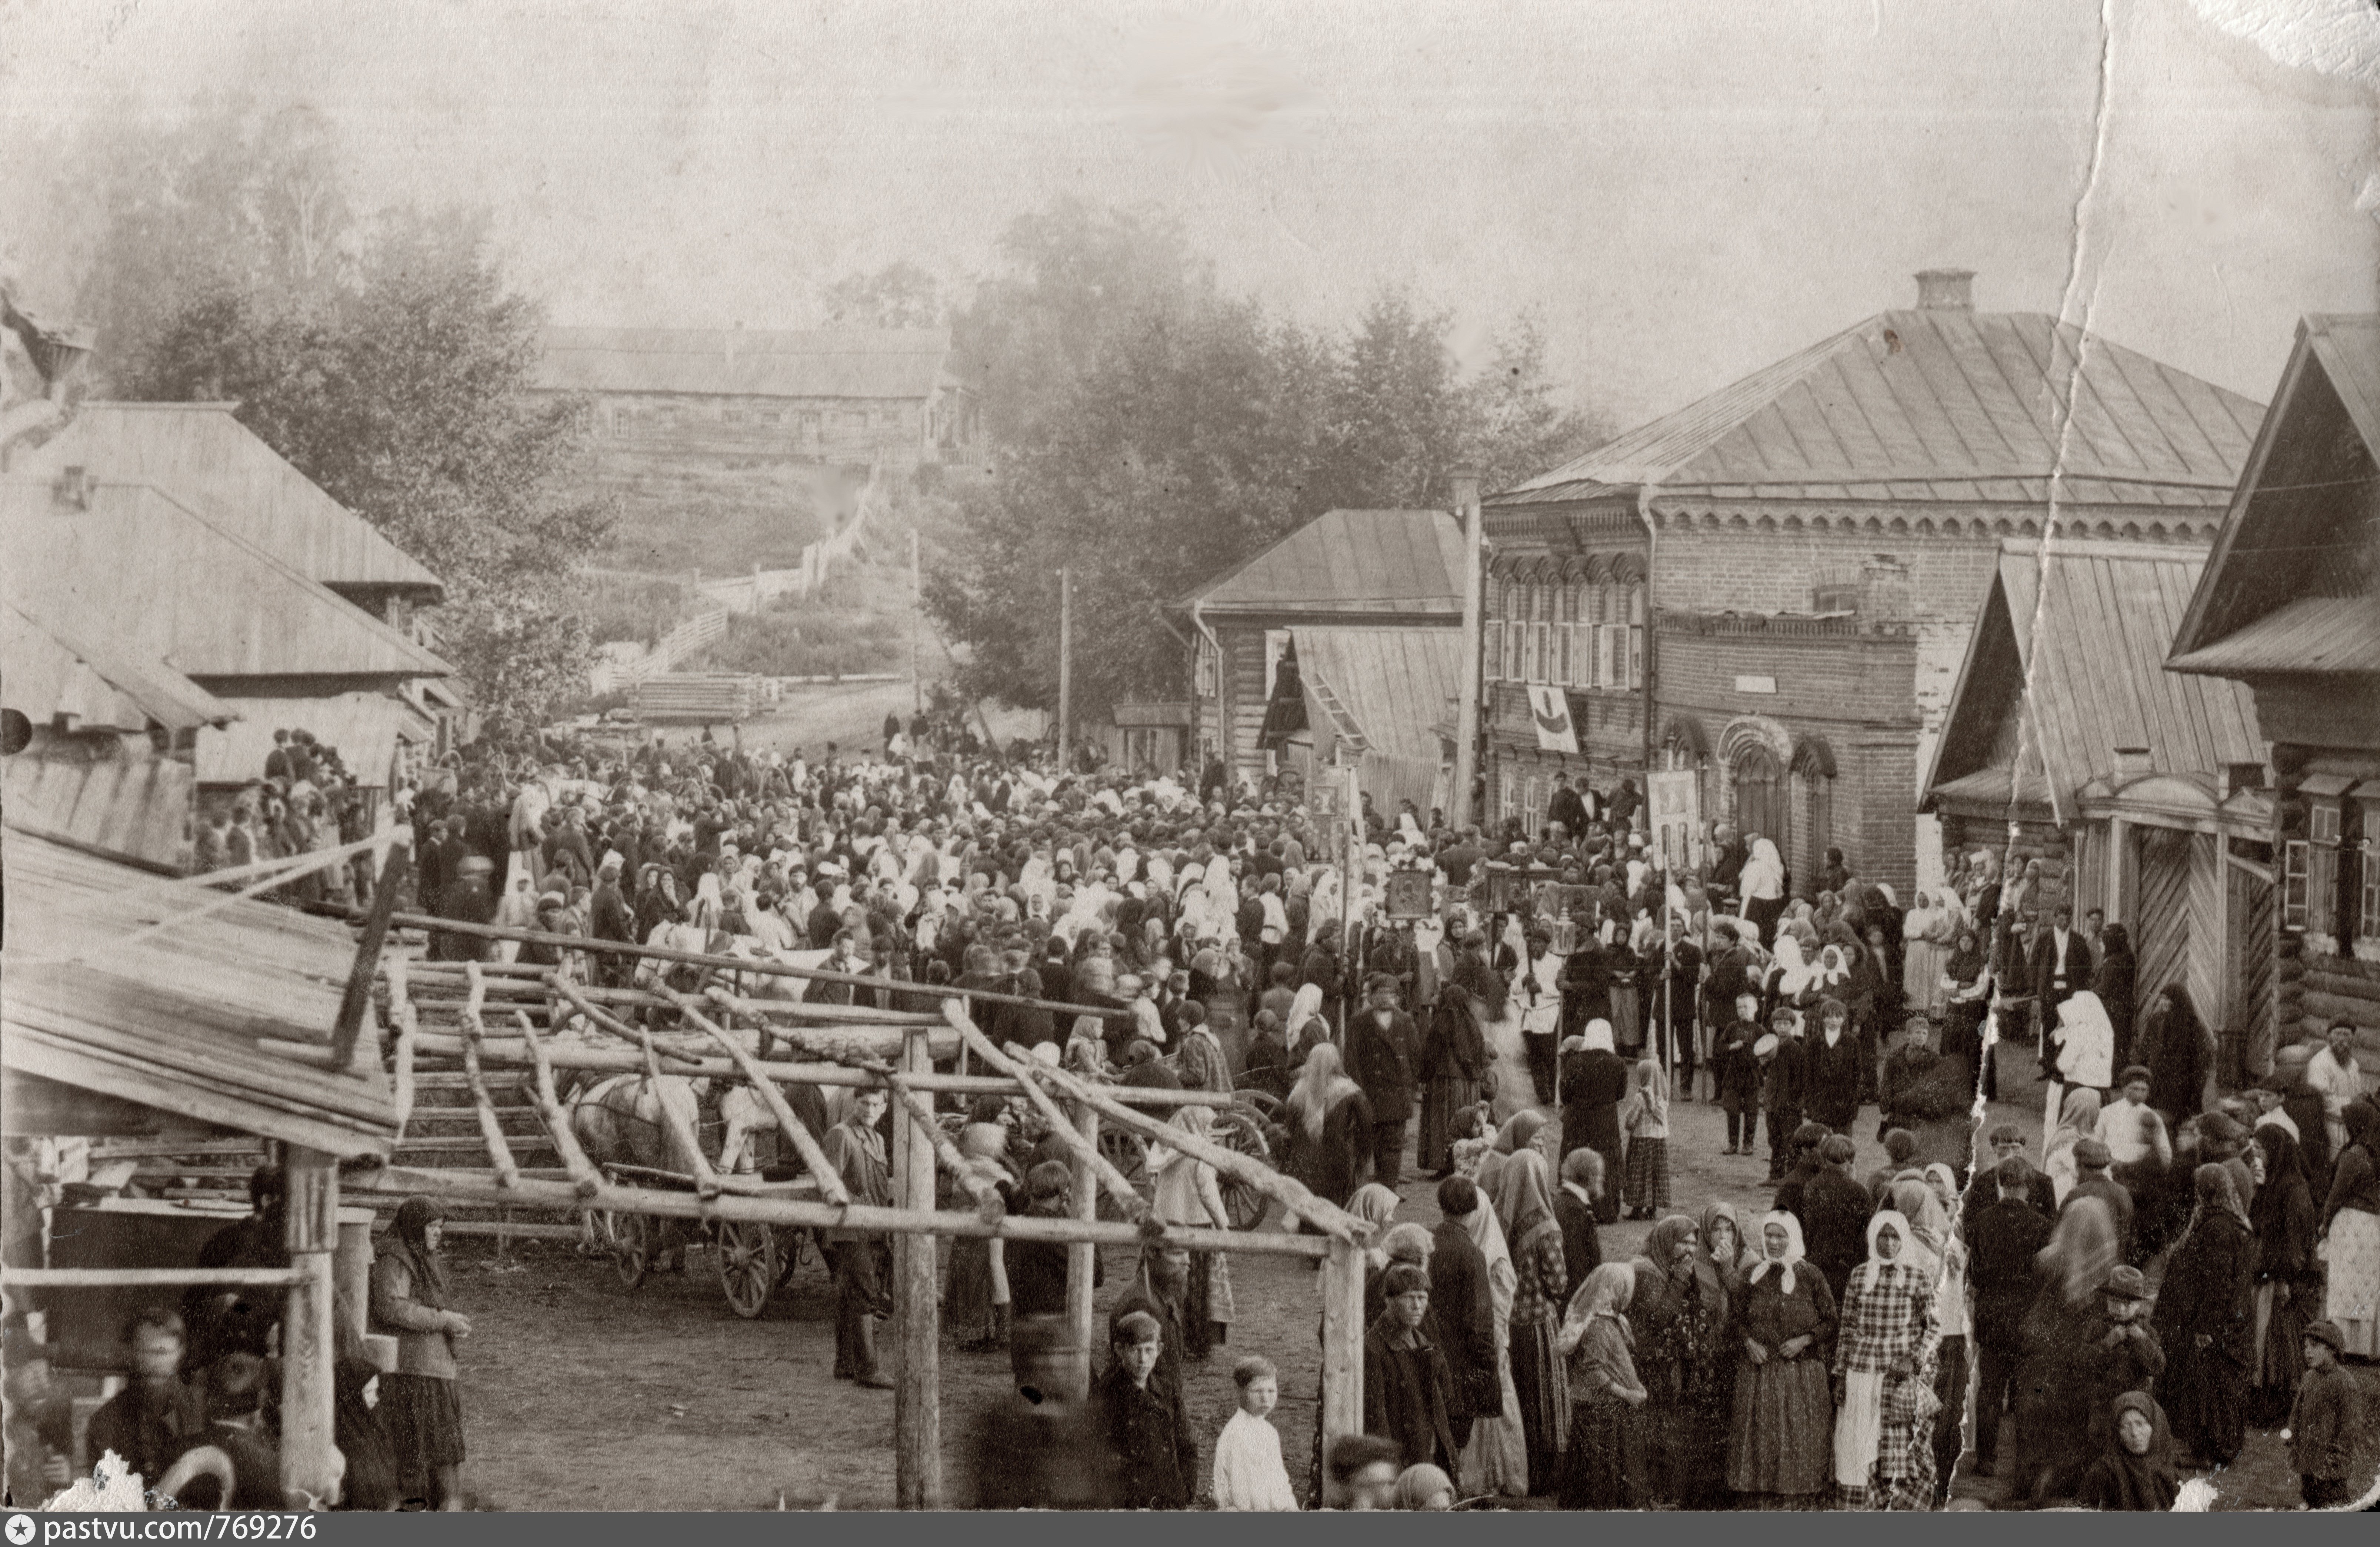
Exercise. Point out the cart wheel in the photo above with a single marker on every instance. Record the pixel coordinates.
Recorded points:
(1124, 1151)
(1243, 1133)
(630, 1237)
(747, 1264)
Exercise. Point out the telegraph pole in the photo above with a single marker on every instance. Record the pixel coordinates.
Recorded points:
(917, 610)
(1467, 716)
(1065, 665)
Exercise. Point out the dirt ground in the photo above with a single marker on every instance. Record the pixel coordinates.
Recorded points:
(581, 1394)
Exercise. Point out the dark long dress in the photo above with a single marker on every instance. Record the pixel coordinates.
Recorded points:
(2288, 1280)
(1332, 1165)
(1591, 1085)
(1454, 1055)
(1781, 1441)
(2209, 1291)
(1831, 1080)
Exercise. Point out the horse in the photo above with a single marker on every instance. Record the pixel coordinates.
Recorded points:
(621, 1120)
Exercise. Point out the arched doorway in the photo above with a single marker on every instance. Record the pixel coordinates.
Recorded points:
(1760, 796)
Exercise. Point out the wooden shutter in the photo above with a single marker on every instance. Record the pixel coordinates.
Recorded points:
(1491, 653)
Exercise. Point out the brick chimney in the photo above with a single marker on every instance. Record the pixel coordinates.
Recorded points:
(1946, 290)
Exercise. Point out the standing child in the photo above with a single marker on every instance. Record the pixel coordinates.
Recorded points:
(1155, 1457)
(2326, 1424)
(1736, 1071)
(1781, 1086)
(1248, 1470)
(1645, 1117)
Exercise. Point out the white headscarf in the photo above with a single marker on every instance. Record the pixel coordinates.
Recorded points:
(1874, 1270)
(1793, 1249)
(1598, 1037)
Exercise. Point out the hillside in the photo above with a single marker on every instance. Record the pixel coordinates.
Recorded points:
(721, 517)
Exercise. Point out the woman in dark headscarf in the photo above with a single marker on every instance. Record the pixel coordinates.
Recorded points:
(2114, 984)
(2206, 1321)
(1702, 1347)
(2288, 1280)
(419, 1408)
(2177, 1049)
(2136, 1470)
(1967, 996)
(370, 1483)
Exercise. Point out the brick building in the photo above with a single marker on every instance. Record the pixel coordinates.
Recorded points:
(851, 398)
(1800, 556)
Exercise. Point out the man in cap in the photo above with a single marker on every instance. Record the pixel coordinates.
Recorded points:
(2092, 1179)
(1382, 1046)
(613, 918)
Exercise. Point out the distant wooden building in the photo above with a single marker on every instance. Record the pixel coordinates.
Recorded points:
(1776, 582)
(2289, 606)
(156, 580)
(1347, 631)
(2138, 789)
(852, 397)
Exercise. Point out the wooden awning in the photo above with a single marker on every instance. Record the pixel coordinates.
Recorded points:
(177, 1018)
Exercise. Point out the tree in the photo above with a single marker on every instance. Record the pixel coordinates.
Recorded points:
(1518, 430)
(897, 295)
(386, 360)
(1150, 431)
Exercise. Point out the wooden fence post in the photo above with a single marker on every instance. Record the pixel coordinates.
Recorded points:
(917, 1394)
(1342, 1342)
(1081, 1256)
(309, 1352)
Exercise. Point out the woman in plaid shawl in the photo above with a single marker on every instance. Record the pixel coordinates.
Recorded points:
(1884, 1373)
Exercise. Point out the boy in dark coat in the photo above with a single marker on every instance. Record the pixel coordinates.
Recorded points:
(1735, 1070)
(1463, 1308)
(2327, 1422)
(1154, 1453)
(1781, 1087)
(2002, 1241)
(1407, 1385)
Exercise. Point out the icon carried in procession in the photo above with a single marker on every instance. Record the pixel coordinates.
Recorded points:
(1407, 894)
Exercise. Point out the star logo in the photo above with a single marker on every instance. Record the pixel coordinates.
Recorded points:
(20, 1529)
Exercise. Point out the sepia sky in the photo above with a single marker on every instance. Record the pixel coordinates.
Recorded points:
(1683, 189)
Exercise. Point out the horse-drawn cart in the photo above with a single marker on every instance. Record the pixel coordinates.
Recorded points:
(1251, 1126)
(753, 1260)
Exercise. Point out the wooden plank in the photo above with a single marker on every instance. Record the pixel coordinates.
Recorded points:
(1342, 1342)
(1082, 1256)
(583, 1174)
(492, 1131)
(916, 1313)
(479, 1187)
(356, 1002)
(147, 1278)
(1102, 1172)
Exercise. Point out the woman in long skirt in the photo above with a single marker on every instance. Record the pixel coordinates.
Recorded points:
(420, 1408)
(1524, 1208)
(1925, 951)
(1496, 1462)
(1187, 1192)
(2205, 1322)
(2288, 1279)
(2351, 1226)
(1645, 1118)
(1594, 1078)
(1600, 1465)
(1884, 1360)
(1777, 1452)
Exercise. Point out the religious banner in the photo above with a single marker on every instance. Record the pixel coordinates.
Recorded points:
(1550, 707)
(1674, 799)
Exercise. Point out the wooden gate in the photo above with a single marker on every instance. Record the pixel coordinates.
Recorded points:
(2248, 961)
(2177, 931)
(1760, 798)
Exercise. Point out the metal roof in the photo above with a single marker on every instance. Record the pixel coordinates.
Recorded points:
(55, 673)
(159, 580)
(1381, 688)
(2286, 589)
(2080, 638)
(1937, 405)
(172, 1018)
(1386, 564)
(202, 456)
(908, 363)
(364, 727)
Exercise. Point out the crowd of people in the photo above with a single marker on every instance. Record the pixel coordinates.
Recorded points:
(2120, 1300)
(305, 800)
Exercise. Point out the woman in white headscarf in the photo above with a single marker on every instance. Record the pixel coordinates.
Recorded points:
(1778, 1448)
(2086, 1039)
(1305, 1009)
(1884, 1369)
(1762, 887)
(1927, 935)
(1593, 1078)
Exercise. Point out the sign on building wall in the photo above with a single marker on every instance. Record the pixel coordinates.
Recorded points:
(1673, 800)
(1549, 710)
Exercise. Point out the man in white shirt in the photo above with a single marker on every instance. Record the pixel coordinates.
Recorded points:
(2131, 1127)
(2334, 1075)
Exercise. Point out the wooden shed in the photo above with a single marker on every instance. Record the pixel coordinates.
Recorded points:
(2138, 787)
